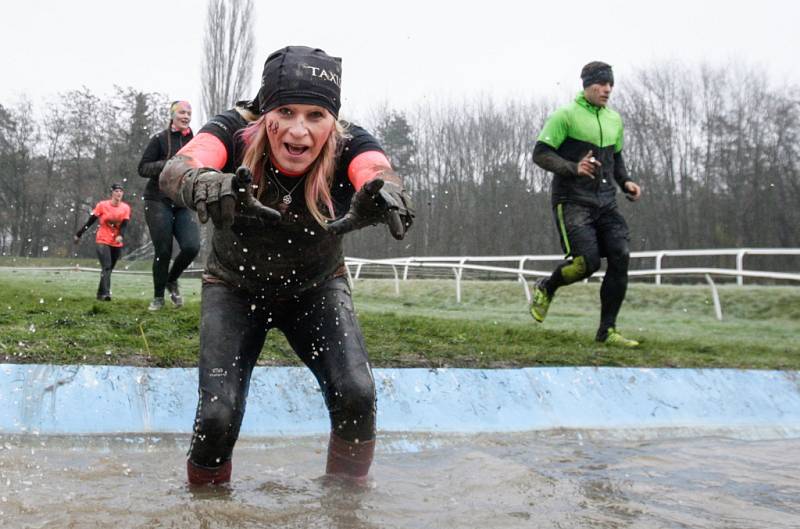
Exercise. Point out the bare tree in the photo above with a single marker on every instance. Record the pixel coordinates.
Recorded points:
(228, 49)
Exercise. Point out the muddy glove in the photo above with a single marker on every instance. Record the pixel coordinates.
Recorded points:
(222, 196)
(377, 201)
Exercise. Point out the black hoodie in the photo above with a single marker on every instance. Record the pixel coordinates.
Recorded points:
(161, 148)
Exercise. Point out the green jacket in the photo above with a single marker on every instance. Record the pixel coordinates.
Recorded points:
(568, 134)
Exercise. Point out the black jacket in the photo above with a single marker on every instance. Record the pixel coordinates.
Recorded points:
(161, 148)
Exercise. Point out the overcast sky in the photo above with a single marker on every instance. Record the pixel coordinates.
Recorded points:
(398, 53)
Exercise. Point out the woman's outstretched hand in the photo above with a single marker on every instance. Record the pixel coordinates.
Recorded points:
(222, 196)
(377, 201)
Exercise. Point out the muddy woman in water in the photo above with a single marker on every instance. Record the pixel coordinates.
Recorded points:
(282, 180)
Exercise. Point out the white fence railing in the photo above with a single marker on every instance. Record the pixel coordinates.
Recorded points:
(458, 265)
(400, 267)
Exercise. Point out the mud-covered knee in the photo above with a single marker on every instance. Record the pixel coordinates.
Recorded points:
(358, 396)
(580, 268)
(353, 411)
(218, 422)
(215, 433)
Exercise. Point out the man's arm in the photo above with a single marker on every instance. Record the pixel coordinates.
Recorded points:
(620, 170)
(548, 159)
(629, 187)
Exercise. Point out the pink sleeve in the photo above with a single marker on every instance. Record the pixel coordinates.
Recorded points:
(205, 150)
(366, 166)
(98, 210)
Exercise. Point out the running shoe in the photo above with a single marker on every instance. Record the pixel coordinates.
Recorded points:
(540, 301)
(616, 339)
(156, 304)
(175, 294)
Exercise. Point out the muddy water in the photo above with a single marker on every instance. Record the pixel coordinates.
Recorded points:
(564, 480)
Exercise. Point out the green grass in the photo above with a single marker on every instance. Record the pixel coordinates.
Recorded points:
(52, 317)
(68, 262)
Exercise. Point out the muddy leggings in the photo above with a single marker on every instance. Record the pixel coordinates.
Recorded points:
(319, 324)
(588, 234)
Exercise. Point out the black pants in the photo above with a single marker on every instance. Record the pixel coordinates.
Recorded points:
(165, 221)
(588, 234)
(320, 325)
(108, 256)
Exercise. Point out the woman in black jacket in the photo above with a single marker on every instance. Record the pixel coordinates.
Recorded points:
(164, 219)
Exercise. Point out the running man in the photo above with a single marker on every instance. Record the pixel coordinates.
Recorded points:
(581, 144)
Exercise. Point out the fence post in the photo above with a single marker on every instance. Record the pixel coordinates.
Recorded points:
(740, 267)
(715, 297)
(659, 257)
(349, 276)
(459, 271)
(396, 281)
(524, 281)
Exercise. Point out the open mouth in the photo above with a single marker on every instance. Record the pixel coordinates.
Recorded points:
(295, 150)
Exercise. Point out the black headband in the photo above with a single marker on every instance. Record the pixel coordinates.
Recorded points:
(598, 76)
(299, 74)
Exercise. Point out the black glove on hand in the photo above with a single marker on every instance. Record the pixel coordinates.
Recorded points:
(378, 201)
(221, 196)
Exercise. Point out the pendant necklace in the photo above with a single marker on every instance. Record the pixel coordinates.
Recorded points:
(287, 198)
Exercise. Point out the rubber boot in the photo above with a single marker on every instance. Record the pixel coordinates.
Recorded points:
(208, 476)
(349, 459)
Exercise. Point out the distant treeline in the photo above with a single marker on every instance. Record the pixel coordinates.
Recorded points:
(714, 148)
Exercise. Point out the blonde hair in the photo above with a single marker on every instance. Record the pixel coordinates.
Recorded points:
(319, 177)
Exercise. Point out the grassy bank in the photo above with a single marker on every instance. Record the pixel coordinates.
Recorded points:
(52, 317)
